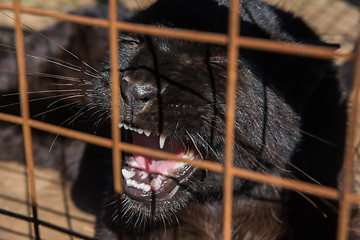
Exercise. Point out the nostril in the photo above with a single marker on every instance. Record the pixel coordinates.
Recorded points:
(137, 91)
(124, 88)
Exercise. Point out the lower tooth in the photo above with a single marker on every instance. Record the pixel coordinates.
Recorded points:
(127, 174)
(129, 182)
(140, 186)
(145, 187)
(189, 155)
(179, 165)
(143, 175)
(155, 184)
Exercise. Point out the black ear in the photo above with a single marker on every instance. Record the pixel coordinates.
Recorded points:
(295, 76)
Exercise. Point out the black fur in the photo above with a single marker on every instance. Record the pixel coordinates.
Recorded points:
(178, 88)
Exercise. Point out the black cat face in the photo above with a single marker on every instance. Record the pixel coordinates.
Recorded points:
(173, 95)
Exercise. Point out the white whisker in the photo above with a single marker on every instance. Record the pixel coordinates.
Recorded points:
(54, 109)
(37, 99)
(54, 42)
(57, 62)
(63, 99)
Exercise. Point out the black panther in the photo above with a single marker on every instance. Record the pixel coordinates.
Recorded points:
(290, 121)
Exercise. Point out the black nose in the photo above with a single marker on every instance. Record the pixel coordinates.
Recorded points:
(137, 92)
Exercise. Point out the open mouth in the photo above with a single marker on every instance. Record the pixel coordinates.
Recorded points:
(146, 178)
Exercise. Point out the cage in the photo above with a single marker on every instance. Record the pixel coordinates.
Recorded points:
(35, 201)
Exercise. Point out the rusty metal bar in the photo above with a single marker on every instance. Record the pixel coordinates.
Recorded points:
(290, 184)
(191, 35)
(213, 38)
(231, 88)
(294, 185)
(25, 114)
(115, 111)
(305, 50)
(100, 141)
(11, 118)
(354, 198)
(115, 88)
(62, 16)
(352, 137)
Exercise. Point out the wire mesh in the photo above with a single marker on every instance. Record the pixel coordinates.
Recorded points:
(234, 43)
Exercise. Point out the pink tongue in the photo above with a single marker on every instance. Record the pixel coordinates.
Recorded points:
(154, 165)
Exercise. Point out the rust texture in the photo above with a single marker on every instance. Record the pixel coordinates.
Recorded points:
(25, 114)
(115, 88)
(350, 152)
(233, 52)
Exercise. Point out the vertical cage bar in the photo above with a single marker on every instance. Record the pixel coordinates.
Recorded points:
(233, 29)
(25, 114)
(350, 151)
(115, 112)
(115, 88)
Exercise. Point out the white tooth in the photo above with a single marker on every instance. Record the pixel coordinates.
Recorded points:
(131, 128)
(121, 125)
(140, 131)
(189, 155)
(126, 127)
(127, 174)
(162, 141)
(179, 165)
(155, 183)
(129, 182)
(143, 175)
(134, 184)
(134, 164)
(147, 133)
(145, 187)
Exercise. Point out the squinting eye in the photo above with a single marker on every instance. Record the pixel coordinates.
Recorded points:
(129, 40)
(134, 43)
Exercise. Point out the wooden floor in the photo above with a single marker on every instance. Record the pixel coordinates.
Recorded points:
(54, 204)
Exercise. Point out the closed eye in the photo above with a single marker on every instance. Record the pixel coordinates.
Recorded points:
(219, 63)
(130, 39)
(130, 42)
